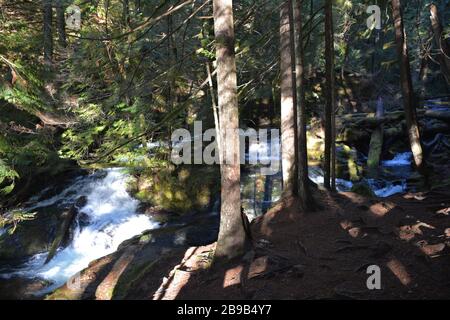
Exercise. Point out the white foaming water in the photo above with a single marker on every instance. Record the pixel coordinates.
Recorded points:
(390, 190)
(112, 220)
(400, 159)
(382, 188)
(317, 176)
(264, 151)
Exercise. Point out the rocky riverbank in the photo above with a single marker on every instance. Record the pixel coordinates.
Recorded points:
(407, 236)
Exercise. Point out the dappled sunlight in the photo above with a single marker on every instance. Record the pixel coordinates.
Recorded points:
(381, 209)
(353, 197)
(233, 276)
(270, 217)
(353, 231)
(399, 270)
(105, 289)
(220, 149)
(431, 250)
(408, 232)
(174, 282)
(445, 211)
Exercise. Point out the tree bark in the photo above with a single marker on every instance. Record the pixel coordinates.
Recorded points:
(376, 142)
(441, 43)
(232, 237)
(406, 87)
(137, 6)
(288, 113)
(304, 193)
(126, 12)
(61, 23)
(330, 150)
(47, 31)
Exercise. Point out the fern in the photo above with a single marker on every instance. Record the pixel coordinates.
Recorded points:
(11, 219)
(7, 176)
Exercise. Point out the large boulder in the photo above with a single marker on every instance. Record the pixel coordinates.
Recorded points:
(183, 189)
(150, 255)
(31, 236)
(20, 288)
(49, 230)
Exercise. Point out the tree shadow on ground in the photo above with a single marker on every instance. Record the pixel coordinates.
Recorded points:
(326, 254)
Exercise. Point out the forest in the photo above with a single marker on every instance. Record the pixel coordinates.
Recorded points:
(219, 149)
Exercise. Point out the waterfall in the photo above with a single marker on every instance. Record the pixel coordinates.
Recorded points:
(109, 217)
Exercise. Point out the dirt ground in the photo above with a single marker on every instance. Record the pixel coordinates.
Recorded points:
(326, 254)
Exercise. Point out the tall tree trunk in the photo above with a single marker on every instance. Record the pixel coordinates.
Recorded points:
(297, 34)
(61, 23)
(47, 31)
(288, 113)
(330, 150)
(232, 236)
(441, 43)
(406, 87)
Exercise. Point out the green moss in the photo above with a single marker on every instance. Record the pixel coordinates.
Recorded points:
(375, 149)
(315, 148)
(145, 238)
(129, 279)
(31, 236)
(181, 190)
(346, 166)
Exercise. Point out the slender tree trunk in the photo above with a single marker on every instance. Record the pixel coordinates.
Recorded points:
(441, 43)
(423, 75)
(215, 110)
(137, 6)
(232, 236)
(47, 31)
(376, 142)
(288, 114)
(303, 179)
(126, 12)
(407, 88)
(268, 189)
(61, 23)
(330, 150)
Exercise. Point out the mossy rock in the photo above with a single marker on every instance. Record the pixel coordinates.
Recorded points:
(181, 190)
(17, 288)
(32, 236)
(316, 148)
(346, 163)
(116, 275)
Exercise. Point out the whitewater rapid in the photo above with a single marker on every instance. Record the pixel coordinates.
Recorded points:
(382, 188)
(109, 218)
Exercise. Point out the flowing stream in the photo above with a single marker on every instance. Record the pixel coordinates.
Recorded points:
(109, 214)
(108, 218)
(259, 191)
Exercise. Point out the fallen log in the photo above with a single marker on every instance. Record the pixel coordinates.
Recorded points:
(439, 115)
(62, 232)
(371, 119)
(54, 119)
(354, 134)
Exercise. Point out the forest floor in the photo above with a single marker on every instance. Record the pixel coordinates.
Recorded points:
(325, 254)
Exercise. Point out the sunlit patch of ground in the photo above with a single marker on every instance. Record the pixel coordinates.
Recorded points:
(325, 254)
